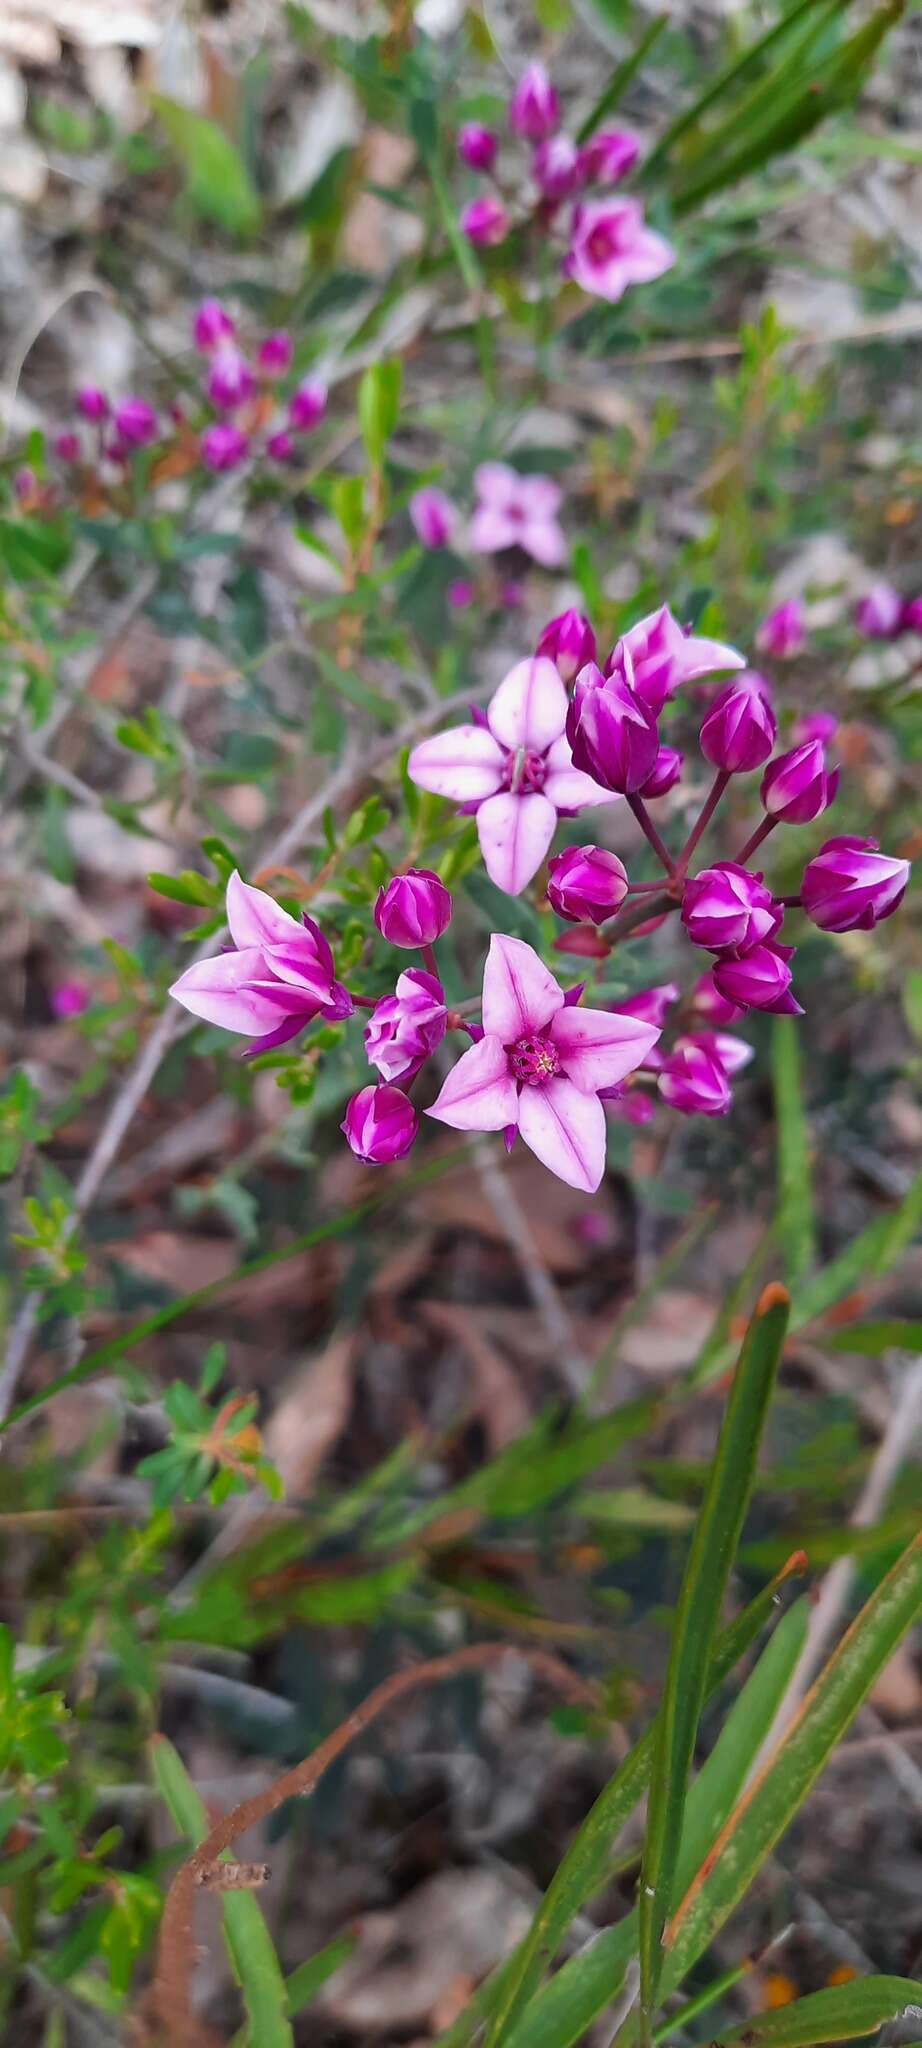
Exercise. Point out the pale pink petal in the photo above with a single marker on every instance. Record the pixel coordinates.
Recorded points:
(598, 1048)
(464, 764)
(496, 482)
(566, 787)
(520, 995)
(650, 256)
(218, 991)
(515, 833)
(479, 1094)
(542, 538)
(530, 707)
(254, 919)
(703, 657)
(491, 529)
(566, 1131)
(541, 496)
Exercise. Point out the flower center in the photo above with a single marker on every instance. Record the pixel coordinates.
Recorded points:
(534, 1061)
(524, 770)
(602, 243)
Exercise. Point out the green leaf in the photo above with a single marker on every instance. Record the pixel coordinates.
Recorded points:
(794, 1221)
(379, 407)
(355, 689)
(217, 181)
(187, 887)
(887, 1333)
(621, 78)
(840, 2013)
(713, 1549)
(310, 1976)
(249, 1942)
(868, 1257)
(731, 73)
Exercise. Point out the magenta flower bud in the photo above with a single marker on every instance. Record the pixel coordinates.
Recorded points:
(650, 1004)
(667, 769)
(280, 447)
(559, 167)
(460, 594)
(485, 222)
(274, 355)
(230, 380)
(816, 725)
(135, 422)
(708, 1003)
(784, 630)
(911, 616)
(67, 447)
(656, 656)
(534, 109)
(694, 1082)
(92, 403)
(70, 999)
(434, 517)
(223, 446)
(586, 882)
(211, 326)
(25, 484)
(879, 613)
(631, 1107)
(477, 146)
(730, 1053)
(413, 909)
(799, 785)
(613, 737)
(405, 1028)
(307, 405)
(380, 1125)
(760, 980)
(851, 886)
(611, 155)
(728, 910)
(739, 731)
(569, 642)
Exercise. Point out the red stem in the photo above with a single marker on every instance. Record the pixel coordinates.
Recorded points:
(430, 961)
(650, 832)
(754, 841)
(708, 808)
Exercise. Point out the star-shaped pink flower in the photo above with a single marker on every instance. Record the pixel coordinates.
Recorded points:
(517, 511)
(516, 771)
(540, 1065)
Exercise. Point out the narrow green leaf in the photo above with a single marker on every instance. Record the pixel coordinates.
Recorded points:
(348, 684)
(713, 1549)
(621, 78)
(794, 1224)
(379, 406)
(311, 1975)
(840, 2013)
(217, 181)
(868, 1257)
(717, 1988)
(731, 73)
(887, 1333)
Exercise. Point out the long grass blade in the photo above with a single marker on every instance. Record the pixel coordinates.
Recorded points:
(840, 2013)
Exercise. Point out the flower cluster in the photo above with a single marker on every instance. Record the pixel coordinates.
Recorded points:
(608, 245)
(882, 614)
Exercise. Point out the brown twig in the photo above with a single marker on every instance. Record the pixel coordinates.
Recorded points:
(169, 2000)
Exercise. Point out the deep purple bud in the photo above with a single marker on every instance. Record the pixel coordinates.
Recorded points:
(67, 447)
(280, 447)
(799, 785)
(761, 980)
(784, 630)
(274, 355)
(733, 1054)
(649, 1004)
(611, 154)
(460, 594)
(223, 446)
(92, 403)
(694, 1082)
(380, 1125)
(485, 221)
(534, 109)
(211, 326)
(413, 909)
(851, 886)
(559, 167)
(612, 736)
(230, 380)
(738, 733)
(816, 725)
(569, 642)
(728, 910)
(434, 517)
(307, 405)
(911, 616)
(631, 1106)
(477, 146)
(70, 999)
(667, 769)
(707, 1002)
(879, 613)
(586, 882)
(135, 422)
(405, 1028)
(656, 656)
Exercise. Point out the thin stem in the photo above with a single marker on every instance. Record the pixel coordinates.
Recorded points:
(430, 962)
(755, 840)
(791, 902)
(643, 888)
(650, 832)
(708, 808)
(633, 914)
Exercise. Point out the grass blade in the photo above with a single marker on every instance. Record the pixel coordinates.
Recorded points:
(795, 1228)
(734, 70)
(713, 1548)
(841, 2013)
(621, 77)
(310, 1976)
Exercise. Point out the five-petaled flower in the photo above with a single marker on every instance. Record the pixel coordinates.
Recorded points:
(515, 770)
(540, 1065)
(611, 248)
(278, 977)
(517, 511)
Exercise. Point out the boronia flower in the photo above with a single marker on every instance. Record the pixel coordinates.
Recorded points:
(729, 910)
(586, 882)
(485, 221)
(651, 1005)
(613, 736)
(612, 248)
(92, 403)
(380, 1125)
(731, 1053)
(708, 1003)
(477, 146)
(739, 731)
(692, 1081)
(851, 886)
(307, 405)
(540, 1065)
(230, 380)
(759, 980)
(797, 786)
(559, 167)
(413, 909)
(279, 976)
(405, 1028)
(212, 325)
(516, 771)
(275, 354)
(135, 422)
(534, 109)
(223, 446)
(657, 656)
(611, 154)
(665, 773)
(569, 642)
(879, 613)
(783, 630)
(517, 511)
(434, 517)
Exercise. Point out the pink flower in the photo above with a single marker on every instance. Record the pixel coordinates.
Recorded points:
(516, 771)
(460, 594)
(612, 248)
(485, 221)
(307, 405)
(540, 1065)
(569, 642)
(739, 731)
(223, 446)
(798, 786)
(879, 613)
(67, 447)
(274, 355)
(70, 999)
(135, 422)
(611, 154)
(707, 1002)
(729, 910)
(280, 447)
(694, 1082)
(911, 615)
(733, 1054)
(784, 630)
(211, 326)
(380, 1125)
(657, 656)
(613, 736)
(586, 882)
(534, 109)
(477, 146)
(851, 886)
(405, 1028)
(413, 909)
(760, 980)
(92, 403)
(517, 511)
(559, 167)
(279, 976)
(664, 774)
(434, 517)
(650, 1004)
(816, 725)
(230, 380)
